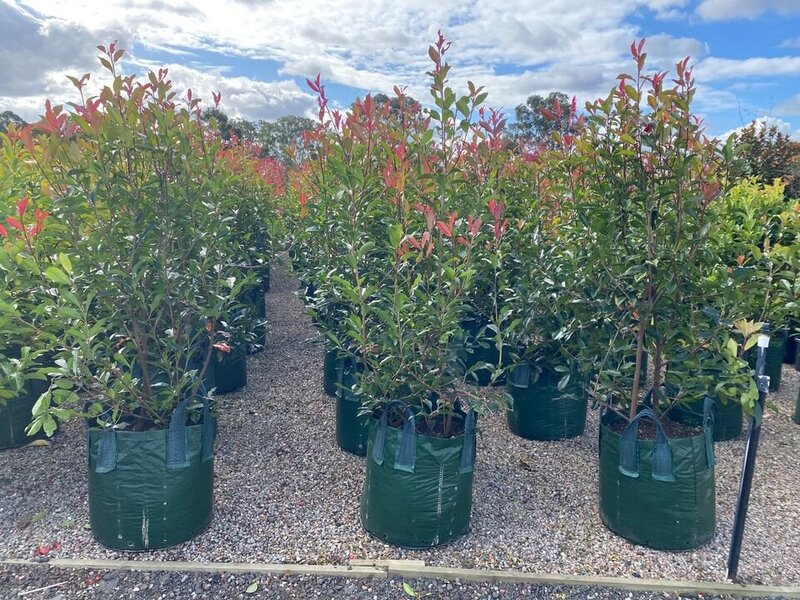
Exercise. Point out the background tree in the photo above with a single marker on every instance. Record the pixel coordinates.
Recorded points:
(228, 127)
(540, 117)
(7, 118)
(768, 154)
(277, 136)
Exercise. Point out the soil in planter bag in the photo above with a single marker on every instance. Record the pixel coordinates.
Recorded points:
(658, 493)
(540, 411)
(352, 426)
(230, 372)
(16, 415)
(151, 489)
(418, 488)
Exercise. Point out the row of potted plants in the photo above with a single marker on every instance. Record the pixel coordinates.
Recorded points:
(433, 257)
(134, 265)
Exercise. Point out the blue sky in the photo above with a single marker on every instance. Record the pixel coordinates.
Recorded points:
(259, 52)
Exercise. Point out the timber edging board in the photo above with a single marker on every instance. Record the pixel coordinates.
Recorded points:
(383, 569)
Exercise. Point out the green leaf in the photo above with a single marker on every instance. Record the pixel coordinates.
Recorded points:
(65, 262)
(396, 234)
(409, 590)
(56, 275)
(49, 425)
(252, 588)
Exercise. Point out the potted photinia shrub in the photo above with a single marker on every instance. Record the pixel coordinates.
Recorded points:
(545, 384)
(347, 199)
(349, 191)
(543, 325)
(30, 326)
(255, 184)
(137, 187)
(407, 333)
(27, 321)
(647, 179)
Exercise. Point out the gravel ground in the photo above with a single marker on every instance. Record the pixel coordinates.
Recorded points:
(286, 493)
(126, 584)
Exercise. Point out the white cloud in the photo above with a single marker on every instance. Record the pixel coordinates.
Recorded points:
(726, 10)
(790, 107)
(762, 123)
(513, 49)
(713, 68)
(242, 96)
(373, 45)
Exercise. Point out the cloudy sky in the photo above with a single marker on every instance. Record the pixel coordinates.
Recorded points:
(259, 52)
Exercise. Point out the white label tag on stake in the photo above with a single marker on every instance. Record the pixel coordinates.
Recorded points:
(763, 341)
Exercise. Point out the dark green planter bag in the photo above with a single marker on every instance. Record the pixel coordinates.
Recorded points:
(329, 369)
(253, 299)
(16, 415)
(660, 493)
(774, 361)
(540, 411)
(352, 428)
(230, 371)
(728, 418)
(418, 489)
(151, 489)
(797, 409)
(478, 349)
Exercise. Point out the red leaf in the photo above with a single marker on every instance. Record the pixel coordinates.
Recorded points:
(14, 223)
(22, 206)
(548, 114)
(446, 231)
(3, 231)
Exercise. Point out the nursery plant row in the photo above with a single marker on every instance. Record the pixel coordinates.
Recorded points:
(620, 265)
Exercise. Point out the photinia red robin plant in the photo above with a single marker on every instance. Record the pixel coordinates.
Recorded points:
(146, 203)
(31, 320)
(641, 179)
(395, 216)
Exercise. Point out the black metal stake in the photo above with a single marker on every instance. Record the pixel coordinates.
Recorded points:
(754, 435)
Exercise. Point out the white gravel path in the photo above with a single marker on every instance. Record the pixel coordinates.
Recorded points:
(286, 493)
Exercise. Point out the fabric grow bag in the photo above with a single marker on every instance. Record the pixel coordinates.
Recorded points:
(352, 428)
(796, 417)
(253, 299)
(266, 272)
(774, 361)
(151, 489)
(16, 415)
(539, 410)
(474, 352)
(418, 488)
(329, 370)
(728, 419)
(658, 493)
(230, 371)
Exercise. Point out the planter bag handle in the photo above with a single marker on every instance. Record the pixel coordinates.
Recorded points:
(407, 453)
(709, 413)
(468, 449)
(106, 451)
(176, 435)
(629, 452)
(520, 376)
